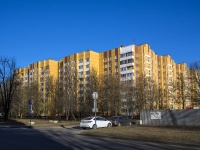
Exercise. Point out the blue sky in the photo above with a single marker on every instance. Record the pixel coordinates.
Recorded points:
(35, 30)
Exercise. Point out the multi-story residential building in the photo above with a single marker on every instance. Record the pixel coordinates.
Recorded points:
(24, 75)
(127, 62)
(39, 73)
(80, 64)
(127, 66)
(109, 62)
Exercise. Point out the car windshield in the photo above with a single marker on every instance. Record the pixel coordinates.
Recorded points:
(88, 118)
(114, 117)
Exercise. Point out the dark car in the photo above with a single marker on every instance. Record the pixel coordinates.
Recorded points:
(120, 121)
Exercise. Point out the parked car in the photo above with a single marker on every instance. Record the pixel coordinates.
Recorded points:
(120, 121)
(89, 122)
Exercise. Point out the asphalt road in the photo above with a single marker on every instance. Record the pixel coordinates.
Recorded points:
(68, 138)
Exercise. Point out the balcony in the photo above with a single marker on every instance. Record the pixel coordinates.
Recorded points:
(127, 65)
(127, 78)
(81, 76)
(87, 75)
(80, 70)
(127, 57)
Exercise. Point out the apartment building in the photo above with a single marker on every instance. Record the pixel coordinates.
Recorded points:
(141, 60)
(38, 73)
(127, 62)
(80, 64)
(24, 75)
(109, 62)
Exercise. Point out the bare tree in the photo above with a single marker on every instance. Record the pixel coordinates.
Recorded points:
(32, 93)
(111, 95)
(145, 93)
(103, 100)
(159, 98)
(195, 83)
(151, 93)
(91, 85)
(127, 97)
(8, 83)
(181, 91)
(25, 93)
(70, 94)
(52, 94)
(140, 93)
(20, 105)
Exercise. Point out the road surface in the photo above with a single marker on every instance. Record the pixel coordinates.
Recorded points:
(68, 139)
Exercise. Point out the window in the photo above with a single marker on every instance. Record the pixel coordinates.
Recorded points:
(126, 54)
(129, 75)
(80, 73)
(123, 75)
(130, 60)
(129, 54)
(122, 62)
(87, 59)
(81, 67)
(81, 61)
(123, 69)
(122, 55)
(87, 66)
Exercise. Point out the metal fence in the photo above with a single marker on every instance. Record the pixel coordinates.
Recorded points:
(170, 117)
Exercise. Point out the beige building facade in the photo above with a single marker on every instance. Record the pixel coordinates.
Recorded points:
(39, 72)
(127, 62)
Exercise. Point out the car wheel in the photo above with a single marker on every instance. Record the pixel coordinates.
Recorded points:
(94, 126)
(119, 124)
(84, 128)
(109, 125)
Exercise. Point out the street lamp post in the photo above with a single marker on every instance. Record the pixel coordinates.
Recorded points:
(95, 109)
(30, 110)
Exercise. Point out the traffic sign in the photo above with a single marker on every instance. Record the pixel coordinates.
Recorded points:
(93, 109)
(31, 102)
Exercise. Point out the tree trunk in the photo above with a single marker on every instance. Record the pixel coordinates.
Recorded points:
(67, 114)
(6, 115)
(73, 115)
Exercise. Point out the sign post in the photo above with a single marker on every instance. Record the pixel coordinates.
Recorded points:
(95, 109)
(30, 109)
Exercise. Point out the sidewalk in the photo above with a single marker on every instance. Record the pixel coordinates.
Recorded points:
(43, 123)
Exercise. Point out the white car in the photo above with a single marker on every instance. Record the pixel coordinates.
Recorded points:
(89, 122)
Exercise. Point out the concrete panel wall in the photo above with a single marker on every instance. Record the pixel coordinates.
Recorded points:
(170, 117)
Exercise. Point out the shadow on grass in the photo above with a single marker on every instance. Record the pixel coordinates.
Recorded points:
(12, 123)
(175, 127)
